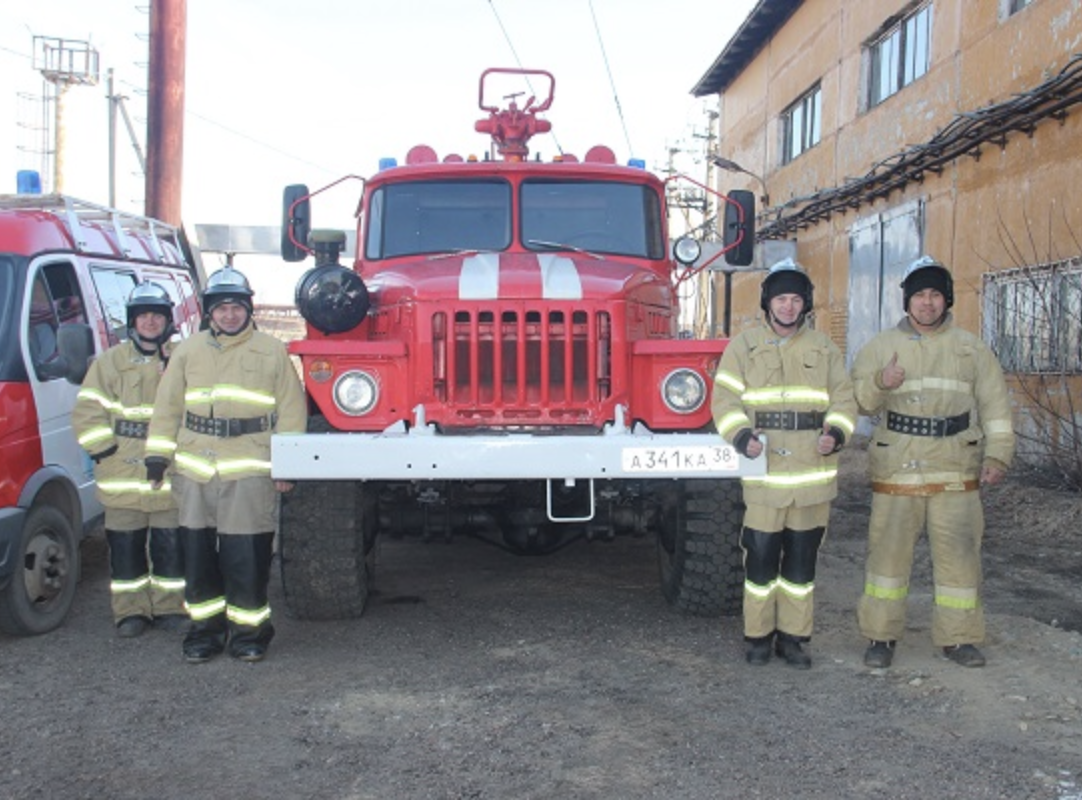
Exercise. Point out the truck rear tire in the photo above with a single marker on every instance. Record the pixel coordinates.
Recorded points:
(39, 595)
(699, 555)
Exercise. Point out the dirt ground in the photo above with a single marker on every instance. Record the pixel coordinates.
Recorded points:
(476, 674)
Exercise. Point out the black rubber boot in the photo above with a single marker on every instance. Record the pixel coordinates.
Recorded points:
(788, 648)
(879, 654)
(130, 627)
(204, 640)
(758, 650)
(965, 655)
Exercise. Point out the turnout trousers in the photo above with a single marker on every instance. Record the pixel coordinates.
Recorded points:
(781, 548)
(146, 564)
(226, 587)
(227, 558)
(954, 522)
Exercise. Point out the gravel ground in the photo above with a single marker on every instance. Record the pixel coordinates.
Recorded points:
(476, 674)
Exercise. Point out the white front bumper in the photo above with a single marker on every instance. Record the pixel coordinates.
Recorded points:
(422, 454)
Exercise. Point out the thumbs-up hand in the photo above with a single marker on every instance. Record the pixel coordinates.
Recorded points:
(827, 443)
(892, 375)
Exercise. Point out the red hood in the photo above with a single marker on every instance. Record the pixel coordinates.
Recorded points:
(516, 276)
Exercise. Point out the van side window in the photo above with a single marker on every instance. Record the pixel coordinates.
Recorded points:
(113, 289)
(55, 300)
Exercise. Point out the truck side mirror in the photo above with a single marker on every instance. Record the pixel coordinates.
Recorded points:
(738, 234)
(296, 222)
(75, 344)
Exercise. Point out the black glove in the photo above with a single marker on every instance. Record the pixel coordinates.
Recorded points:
(839, 437)
(156, 468)
(740, 441)
(104, 454)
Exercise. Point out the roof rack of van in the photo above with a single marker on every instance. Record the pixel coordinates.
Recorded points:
(79, 213)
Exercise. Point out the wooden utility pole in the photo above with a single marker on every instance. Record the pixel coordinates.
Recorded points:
(165, 109)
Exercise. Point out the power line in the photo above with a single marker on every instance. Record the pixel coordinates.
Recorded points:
(262, 144)
(518, 61)
(612, 83)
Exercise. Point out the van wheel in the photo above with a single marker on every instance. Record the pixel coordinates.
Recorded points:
(39, 596)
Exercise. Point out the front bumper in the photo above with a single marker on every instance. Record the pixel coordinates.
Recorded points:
(422, 454)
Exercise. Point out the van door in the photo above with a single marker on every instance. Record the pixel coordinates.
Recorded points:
(56, 299)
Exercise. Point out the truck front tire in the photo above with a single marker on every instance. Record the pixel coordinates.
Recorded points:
(699, 555)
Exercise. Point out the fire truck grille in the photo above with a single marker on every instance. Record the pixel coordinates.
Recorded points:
(519, 366)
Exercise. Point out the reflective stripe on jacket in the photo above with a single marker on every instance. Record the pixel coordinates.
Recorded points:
(948, 372)
(761, 372)
(120, 388)
(242, 376)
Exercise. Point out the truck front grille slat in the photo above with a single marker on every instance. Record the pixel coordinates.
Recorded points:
(547, 366)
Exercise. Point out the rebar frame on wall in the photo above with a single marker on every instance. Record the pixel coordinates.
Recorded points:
(967, 133)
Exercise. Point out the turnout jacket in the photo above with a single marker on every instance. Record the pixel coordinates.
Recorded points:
(112, 410)
(949, 373)
(804, 375)
(241, 380)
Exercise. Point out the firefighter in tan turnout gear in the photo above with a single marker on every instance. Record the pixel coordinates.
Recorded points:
(944, 430)
(786, 383)
(227, 390)
(111, 415)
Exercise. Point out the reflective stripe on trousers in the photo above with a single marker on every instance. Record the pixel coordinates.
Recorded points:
(954, 522)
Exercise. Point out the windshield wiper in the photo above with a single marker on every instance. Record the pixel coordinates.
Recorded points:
(562, 246)
(458, 254)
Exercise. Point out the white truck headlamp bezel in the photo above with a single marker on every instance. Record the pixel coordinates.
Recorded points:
(356, 392)
(683, 391)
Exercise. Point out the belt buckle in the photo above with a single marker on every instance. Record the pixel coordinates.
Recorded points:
(939, 427)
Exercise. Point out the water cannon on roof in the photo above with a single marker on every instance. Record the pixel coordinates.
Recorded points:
(512, 127)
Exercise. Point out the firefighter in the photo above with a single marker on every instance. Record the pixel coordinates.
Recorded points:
(944, 431)
(110, 417)
(228, 389)
(781, 392)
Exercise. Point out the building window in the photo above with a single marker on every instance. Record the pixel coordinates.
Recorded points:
(802, 125)
(900, 56)
(1033, 318)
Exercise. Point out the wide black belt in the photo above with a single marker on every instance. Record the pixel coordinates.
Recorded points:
(927, 426)
(226, 427)
(133, 429)
(789, 420)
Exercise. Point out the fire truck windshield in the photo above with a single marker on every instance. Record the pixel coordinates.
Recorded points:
(421, 217)
(433, 217)
(600, 217)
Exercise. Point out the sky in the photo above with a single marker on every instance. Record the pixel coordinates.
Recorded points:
(279, 93)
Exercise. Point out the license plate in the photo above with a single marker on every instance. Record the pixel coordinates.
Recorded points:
(680, 458)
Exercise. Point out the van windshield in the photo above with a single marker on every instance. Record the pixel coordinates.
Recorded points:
(12, 270)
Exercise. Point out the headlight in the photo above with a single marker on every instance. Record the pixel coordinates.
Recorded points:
(686, 250)
(356, 393)
(683, 391)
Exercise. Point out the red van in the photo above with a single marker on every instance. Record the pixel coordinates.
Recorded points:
(66, 270)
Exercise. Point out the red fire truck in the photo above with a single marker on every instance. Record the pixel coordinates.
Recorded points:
(502, 361)
(66, 270)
